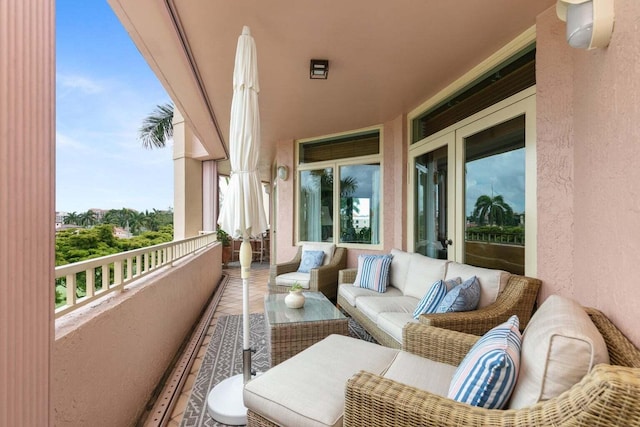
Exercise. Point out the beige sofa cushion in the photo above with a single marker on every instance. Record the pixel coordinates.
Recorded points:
(492, 282)
(421, 373)
(392, 323)
(308, 389)
(559, 346)
(327, 248)
(399, 268)
(352, 293)
(423, 272)
(373, 306)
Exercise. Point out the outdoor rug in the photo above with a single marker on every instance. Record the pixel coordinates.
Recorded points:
(223, 359)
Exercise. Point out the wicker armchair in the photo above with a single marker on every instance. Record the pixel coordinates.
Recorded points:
(607, 396)
(322, 279)
(518, 297)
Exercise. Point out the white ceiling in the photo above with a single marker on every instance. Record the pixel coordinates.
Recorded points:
(386, 57)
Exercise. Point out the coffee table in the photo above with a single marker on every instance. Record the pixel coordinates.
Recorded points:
(291, 330)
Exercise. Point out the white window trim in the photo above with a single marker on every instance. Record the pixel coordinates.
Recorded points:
(336, 164)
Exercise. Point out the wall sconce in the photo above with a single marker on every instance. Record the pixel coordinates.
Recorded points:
(283, 172)
(319, 69)
(589, 22)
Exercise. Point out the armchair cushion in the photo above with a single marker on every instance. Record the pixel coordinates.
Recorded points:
(310, 259)
(464, 297)
(373, 272)
(327, 248)
(288, 279)
(559, 347)
(488, 373)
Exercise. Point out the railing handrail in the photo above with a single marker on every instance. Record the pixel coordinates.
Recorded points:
(127, 267)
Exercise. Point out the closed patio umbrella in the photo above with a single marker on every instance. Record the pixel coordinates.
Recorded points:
(242, 214)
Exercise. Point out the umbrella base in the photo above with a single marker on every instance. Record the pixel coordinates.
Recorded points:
(225, 404)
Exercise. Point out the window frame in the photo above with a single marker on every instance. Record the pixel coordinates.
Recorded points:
(335, 165)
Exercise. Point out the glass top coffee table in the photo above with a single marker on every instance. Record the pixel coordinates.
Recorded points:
(291, 330)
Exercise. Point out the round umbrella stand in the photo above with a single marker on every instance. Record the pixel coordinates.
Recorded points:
(224, 402)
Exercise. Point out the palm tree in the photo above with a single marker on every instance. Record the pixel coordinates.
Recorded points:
(492, 209)
(72, 218)
(87, 218)
(157, 128)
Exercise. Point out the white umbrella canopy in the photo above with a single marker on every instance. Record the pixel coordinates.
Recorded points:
(242, 214)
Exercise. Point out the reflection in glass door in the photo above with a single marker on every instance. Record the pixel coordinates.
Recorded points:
(430, 174)
(494, 196)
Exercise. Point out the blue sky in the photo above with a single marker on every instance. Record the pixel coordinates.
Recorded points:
(104, 89)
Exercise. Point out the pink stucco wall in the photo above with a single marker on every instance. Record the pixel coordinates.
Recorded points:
(588, 174)
(108, 359)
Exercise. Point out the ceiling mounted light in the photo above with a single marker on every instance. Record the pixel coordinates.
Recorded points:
(589, 22)
(319, 69)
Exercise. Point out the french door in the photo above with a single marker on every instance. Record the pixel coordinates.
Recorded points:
(473, 193)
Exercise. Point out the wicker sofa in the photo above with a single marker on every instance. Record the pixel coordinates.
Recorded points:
(410, 277)
(607, 395)
(321, 279)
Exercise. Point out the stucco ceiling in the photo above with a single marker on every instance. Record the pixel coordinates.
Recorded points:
(386, 57)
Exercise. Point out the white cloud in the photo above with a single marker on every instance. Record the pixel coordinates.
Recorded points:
(65, 141)
(84, 84)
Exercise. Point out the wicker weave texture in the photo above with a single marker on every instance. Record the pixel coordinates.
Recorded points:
(608, 396)
(288, 339)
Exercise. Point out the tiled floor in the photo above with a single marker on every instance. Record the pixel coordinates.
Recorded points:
(231, 303)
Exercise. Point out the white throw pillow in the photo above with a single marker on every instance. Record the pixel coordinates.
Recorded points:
(559, 346)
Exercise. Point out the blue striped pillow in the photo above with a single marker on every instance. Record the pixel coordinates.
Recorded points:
(434, 296)
(488, 373)
(373, 272)
(464, 297)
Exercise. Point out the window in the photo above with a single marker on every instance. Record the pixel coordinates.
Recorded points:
(339, 197)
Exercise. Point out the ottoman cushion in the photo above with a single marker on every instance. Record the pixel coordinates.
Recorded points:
(308, 389)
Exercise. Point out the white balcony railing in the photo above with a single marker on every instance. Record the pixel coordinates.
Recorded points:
(114, 272)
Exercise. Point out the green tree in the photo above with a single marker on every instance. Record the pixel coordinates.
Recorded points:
(72, 218)
(87, 218)
(493, 210)
(157, 128)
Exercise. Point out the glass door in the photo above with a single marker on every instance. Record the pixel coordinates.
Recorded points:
(431, 199)
(472, 190)
(495, 190)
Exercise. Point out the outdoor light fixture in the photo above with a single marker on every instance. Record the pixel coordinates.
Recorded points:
(283, 172)
(319, 69)
(589, 22)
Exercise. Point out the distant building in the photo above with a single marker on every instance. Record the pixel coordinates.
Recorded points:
(99, 213)
(122, 233)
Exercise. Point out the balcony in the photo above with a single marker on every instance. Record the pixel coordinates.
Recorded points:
(114, 347)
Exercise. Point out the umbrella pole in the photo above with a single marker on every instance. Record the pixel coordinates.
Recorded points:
(224, 401)
(245, 273)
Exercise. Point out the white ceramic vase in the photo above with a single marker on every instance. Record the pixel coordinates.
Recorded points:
(295, 299)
